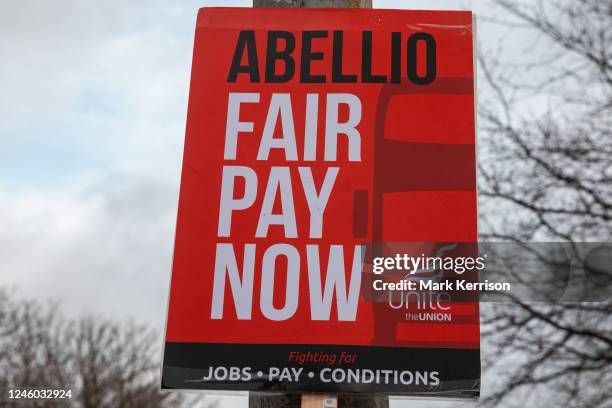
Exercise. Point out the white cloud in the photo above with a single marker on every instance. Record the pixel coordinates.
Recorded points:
(92, 122)
(89, 87)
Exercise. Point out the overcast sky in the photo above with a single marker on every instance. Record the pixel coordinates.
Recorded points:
(92, 117)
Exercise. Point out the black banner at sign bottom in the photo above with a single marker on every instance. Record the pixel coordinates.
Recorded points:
(322, 368)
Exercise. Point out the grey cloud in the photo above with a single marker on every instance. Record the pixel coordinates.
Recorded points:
(102, 249)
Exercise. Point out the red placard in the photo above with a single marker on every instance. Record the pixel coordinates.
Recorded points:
(312, 134)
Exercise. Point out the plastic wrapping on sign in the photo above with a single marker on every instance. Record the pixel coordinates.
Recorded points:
(314, 137)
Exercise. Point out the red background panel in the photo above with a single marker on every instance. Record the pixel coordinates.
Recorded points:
(424, 115)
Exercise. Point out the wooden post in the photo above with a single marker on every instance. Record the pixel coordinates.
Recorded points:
(261, 400)
(314, 3)
(319, 401)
